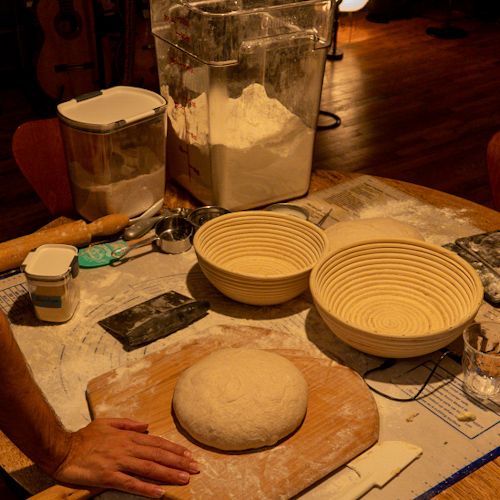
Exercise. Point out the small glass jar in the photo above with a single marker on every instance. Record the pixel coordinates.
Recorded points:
(481, 360)
(51, 271)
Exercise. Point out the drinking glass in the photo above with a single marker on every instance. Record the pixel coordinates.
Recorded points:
(481, 360)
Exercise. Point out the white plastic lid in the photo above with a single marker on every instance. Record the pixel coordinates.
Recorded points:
(51, 262)
(111, 108)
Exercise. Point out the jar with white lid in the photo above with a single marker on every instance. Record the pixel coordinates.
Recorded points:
(114, 141)
(50, 271)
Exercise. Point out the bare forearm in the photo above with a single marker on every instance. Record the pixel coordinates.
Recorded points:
(107, 453)
(25, 416)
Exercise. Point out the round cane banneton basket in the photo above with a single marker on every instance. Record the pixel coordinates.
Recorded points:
(259, 257)
(396, 298)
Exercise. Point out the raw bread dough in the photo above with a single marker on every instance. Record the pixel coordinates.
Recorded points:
(239, 399)
(344, 233)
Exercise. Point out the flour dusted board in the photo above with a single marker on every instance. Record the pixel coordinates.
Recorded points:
(341, 421)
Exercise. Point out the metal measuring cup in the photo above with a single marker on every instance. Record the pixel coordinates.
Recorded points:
(142, 226)
(173, 234)
(200, 215)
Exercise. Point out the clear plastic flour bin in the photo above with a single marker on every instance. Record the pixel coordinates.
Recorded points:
(243, 83)
(114, 141)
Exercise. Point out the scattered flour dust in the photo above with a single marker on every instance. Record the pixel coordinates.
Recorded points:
(438, 225)
(238, 152)
(127, 375)
(105, 281)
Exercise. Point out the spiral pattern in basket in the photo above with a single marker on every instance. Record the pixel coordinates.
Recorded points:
(259, 257)
(395, 298)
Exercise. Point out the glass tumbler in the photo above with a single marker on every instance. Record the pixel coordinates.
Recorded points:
(481, 360)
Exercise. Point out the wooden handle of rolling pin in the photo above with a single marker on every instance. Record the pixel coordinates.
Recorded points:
(79, 233)
(59, 492)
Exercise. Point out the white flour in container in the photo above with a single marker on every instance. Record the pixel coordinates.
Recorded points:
(127, 196)
(238, 153)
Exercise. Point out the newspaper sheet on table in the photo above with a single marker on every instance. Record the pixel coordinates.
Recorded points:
(65, 357)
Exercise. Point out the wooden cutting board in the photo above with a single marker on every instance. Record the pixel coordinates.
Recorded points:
(341, 421)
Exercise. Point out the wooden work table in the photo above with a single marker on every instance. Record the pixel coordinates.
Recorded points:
(483, 483)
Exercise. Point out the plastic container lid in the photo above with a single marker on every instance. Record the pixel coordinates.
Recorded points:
(106, 110)
(51, 262)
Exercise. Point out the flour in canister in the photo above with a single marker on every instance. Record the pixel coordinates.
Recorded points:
(130, 196)
(238, 153)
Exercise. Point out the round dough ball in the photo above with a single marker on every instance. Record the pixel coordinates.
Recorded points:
(239, 399)
(348, 232)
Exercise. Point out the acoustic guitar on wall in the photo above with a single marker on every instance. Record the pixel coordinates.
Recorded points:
(67, 63)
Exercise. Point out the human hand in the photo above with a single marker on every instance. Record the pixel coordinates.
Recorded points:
(117, 454)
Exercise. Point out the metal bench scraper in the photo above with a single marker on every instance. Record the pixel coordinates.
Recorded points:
(153, 319)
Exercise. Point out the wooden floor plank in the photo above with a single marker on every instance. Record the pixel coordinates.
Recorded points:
(414, 107)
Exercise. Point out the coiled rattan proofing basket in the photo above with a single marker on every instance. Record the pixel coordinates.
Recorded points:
(396, 298)
(259, 257)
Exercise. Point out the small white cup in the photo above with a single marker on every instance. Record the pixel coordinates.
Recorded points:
(481, 360)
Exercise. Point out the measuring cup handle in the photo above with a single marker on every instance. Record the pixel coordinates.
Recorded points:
(141, 227)
(119, 253)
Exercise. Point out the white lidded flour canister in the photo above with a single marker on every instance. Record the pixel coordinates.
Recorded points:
(114, 141)
(51, 271)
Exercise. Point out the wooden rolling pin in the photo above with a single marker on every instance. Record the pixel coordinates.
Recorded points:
(79, 233)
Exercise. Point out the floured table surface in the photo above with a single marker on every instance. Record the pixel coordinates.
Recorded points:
(341, 421)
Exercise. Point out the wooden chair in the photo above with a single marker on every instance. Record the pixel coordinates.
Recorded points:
(38, 150)
(493, 163)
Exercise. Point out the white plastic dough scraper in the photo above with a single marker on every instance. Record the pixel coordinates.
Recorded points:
(375, 467)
